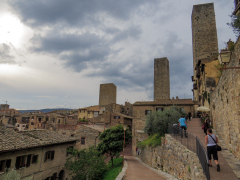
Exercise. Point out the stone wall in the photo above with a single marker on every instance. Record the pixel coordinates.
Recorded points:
(225, 104)
(174, 158)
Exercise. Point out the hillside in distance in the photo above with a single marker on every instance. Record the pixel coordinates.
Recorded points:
(43, 110)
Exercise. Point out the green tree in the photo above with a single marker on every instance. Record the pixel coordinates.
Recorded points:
(157, 122)
(235, 24)
(112, 141)
(86, 164)
(13, 175)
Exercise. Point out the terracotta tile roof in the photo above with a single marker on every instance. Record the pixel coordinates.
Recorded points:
(91, 108)
(165, 102)
(13, 140)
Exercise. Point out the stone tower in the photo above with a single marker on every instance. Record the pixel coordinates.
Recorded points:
(204, 33)
(161, 79)
(107, 94)
(204, 39)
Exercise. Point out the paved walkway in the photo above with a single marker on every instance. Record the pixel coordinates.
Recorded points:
(137, 170)
(225, 157)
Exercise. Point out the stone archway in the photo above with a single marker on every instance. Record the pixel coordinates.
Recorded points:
(61, 175)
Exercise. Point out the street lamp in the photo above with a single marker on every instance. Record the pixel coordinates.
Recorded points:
(124, 128)
(225, 57)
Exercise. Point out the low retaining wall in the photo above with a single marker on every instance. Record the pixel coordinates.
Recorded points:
(174, 158)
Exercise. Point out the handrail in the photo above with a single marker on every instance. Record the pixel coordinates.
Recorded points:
(193, 143)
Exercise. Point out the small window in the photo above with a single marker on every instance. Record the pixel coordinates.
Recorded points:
(34, 159)
(29, 157)
(147, 112)
(88, 112)
(2, 166)
(8, 163)
(5, 165)
(58, 120)
(69, 150)
(72, 135)
(49, 155)
(46, 118)
(159, 109)
(20, 162)
(83, 140)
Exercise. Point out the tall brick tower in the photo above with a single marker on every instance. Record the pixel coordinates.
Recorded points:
(107, 94)
(204, 38)
(161, 79)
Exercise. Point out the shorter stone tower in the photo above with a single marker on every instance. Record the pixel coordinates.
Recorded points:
(107, 94)
(161, 79)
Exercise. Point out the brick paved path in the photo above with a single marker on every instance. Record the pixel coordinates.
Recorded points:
(137, 171)
(226, 173)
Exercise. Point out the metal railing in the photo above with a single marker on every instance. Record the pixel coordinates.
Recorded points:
(193, 143)
(203, 158)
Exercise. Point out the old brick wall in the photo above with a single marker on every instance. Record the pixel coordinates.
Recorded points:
(225, 104)
(161, 79)
(174, 158)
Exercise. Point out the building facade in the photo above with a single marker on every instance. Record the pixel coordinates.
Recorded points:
(39, 154)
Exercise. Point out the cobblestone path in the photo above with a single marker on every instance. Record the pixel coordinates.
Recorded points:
(226, 172)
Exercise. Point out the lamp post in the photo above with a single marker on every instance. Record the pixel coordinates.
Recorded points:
(124, 128)
(225, 57)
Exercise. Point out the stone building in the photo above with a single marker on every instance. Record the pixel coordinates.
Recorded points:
(4, 106)
(161, 79)
(87, 135)
(237, 7)
(107, 94)
(205, 52)
(88, 113)
(225, 104)
(142, 108)
(40, 154)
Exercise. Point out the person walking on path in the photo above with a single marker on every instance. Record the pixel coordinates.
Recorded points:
(183, 125)
(211, 140)
(205, 127)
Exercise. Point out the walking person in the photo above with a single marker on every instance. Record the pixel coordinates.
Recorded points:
(211, 140)
(205, 127)
(183, 125)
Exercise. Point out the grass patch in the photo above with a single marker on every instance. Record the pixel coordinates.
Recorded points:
(152, 141)
(112, 173)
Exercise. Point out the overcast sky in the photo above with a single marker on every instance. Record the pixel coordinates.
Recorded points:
(56, 53)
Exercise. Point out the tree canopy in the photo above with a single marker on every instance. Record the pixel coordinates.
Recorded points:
(235, 24)
(157, 122)
(112, 141)
(86, 164)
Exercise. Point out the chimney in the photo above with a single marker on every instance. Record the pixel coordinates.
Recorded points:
(176, 97)
(172, 97)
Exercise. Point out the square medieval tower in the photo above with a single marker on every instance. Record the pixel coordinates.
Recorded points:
(204, 37)
(107, 94)
(161, 79)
